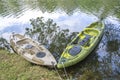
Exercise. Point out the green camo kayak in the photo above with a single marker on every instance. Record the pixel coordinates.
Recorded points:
(81, 46)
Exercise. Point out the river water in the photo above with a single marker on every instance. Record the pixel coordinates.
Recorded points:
(72, 15)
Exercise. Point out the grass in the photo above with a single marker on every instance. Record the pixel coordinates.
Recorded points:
(14, 67)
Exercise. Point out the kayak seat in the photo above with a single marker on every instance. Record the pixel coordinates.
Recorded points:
(40, 54)
(85, 40)
(75, 50)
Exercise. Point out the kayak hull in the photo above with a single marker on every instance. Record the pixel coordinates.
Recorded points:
(81, 46)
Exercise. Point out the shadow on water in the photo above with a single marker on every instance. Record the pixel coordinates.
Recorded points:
(102, 63)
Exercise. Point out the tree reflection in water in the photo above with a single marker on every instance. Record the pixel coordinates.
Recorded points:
(109, 64)
(49, 34)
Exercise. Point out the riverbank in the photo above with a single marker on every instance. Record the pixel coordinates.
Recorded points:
(14, 67)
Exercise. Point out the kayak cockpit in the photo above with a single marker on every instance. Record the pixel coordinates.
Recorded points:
(85, 38)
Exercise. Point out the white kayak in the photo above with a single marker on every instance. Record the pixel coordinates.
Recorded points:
(32, 50)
